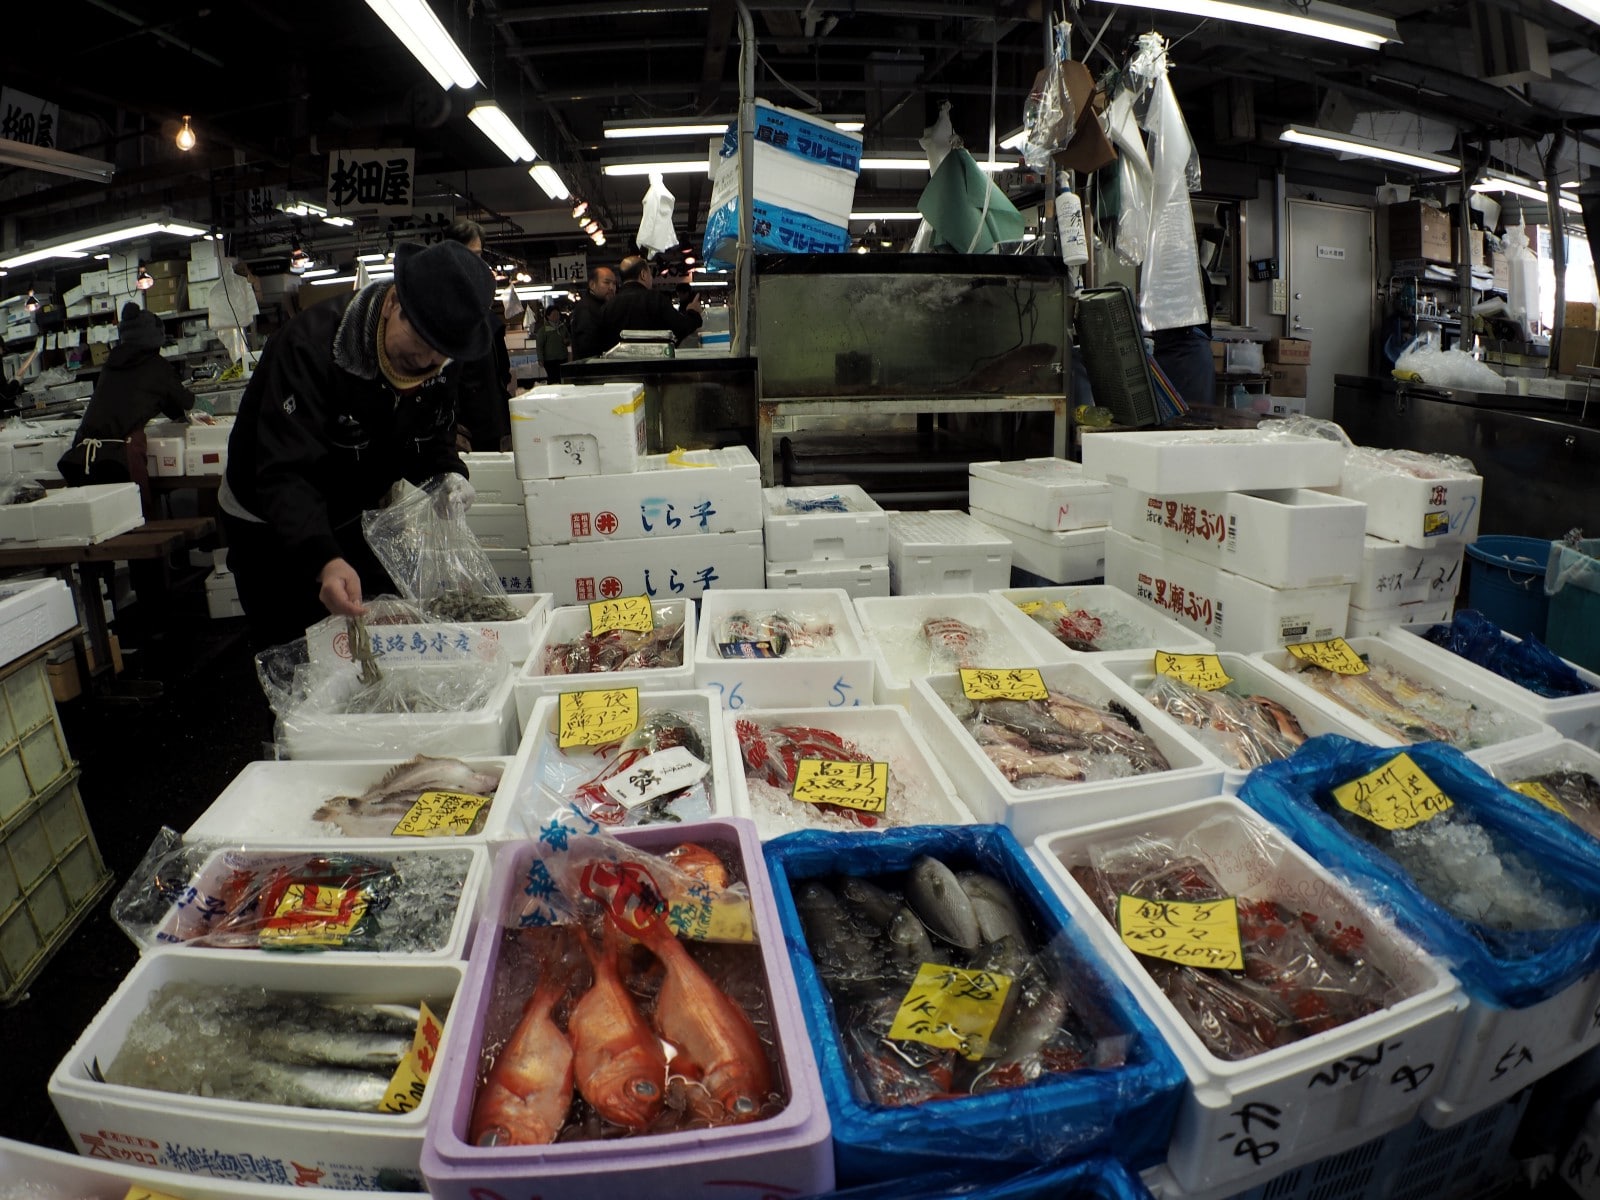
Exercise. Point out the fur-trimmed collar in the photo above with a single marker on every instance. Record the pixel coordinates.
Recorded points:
(355, 342)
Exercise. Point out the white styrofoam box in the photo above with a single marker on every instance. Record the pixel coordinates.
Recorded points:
(319, 733)
(37, 459)
(201, 434)
(498, 526)
(207, 1135)
(945, 551)
(1031, 811)
(570, 622)
(222, 595)
(886, 733)
(1509, 725)
(1107, 603)
(95, 283)
(204, 261)
(197, 293)
(670, 495)
(514, 567)
(1173, 462)
(561, 429)
(205, 460)
(1237, 613)
(32, 612)
(799, 529)
(1068, 556)
(1310, 1091)
(91, 513)
(472, 641)
(163, 428)
(1441, 510)
(494, 477)
(1287, 539)
(1370, 622)
(664, 567)
(839, 679)
(1392, 573)
(164, 457)
(73, 295)
(16, 523)
(859, 579)
(1042, 493)
(893, 626)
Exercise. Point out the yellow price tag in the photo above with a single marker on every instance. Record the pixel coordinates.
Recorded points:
(1203, 671)
(1196, 933)
(1435, 523)
(140, 1192)
(410, 1078)
(1016, 683)
(1395, 796)
(441, 814)
(628, 612)
(1029, 607)
(1537, 791)
(597, 718)
(863, 786)
(952, 1008)
(1335, 654)
(312, 915)
(726, 919)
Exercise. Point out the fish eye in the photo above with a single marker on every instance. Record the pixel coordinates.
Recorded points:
(645, 1089)
(493, 1137)
(744, 1105)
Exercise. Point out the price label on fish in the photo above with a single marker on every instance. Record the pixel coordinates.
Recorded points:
(1196, 933)
(312, 915)
(596, 718)
(863, 786)
(140, 1192)
(628, 612)
(1203, 671)
(1030, 607)
(441, 814)
(1535, 790)
(655, 775)
(1016, 683)
(410, 1079)
(1335, 654)
(1397, 795)
(952, 1008)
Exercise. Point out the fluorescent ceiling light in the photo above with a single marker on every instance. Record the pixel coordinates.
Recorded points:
(1498, 181)
(74, 247)
(1346, 143)
(1015, 141)
(502, 131)
(338, 220)
(886, 216)
(684, 167)
(1571, 183)
(319, 272)
(921, 164)
(338, 279)
(375, 256)
(1317, 19)
(655, 129)
(102, 256)
(1587, 9)
(850, 126)
(546, 177)
(413, 22)
(44, 158)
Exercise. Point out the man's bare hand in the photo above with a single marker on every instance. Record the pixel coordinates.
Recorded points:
(341, 589)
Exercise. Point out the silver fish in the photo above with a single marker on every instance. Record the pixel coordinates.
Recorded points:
(908, 937)
(376, 811)
(314, 1087)
(333, 1048)
(993, 905)
(877, 905)
(936, 895)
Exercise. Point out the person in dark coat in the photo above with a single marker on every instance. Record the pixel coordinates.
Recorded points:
(587, 327)
(485, 409)
(638, 306)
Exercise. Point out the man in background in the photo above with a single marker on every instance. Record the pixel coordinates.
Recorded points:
(587, 327)
(637, 305)
(486, 384)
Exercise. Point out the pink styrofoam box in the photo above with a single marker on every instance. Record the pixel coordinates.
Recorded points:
(207, 1136)
(895, 625)
(1194, 772)
(816, 524)
(507, 641)
(1294, 1103)
(1111, 605)
(1051, 494)
(836, 675)
(789, 1154)
(1183, 461)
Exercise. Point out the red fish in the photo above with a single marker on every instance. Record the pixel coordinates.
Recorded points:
(774, 755)
(524, 1101)
(699, 863)
(618, 1063)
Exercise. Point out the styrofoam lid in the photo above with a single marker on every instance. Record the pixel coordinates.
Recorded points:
(942, 527)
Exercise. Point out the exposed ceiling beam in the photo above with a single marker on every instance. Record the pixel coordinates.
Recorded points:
(159, 32)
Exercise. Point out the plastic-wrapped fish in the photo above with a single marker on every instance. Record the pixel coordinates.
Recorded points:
(773, 754)
(616, 650)
(659, 729)
(1060, 739)
(1246, 731)
(1395, 703)
(377, 810)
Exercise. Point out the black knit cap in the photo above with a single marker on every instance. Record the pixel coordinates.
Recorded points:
(446, 291)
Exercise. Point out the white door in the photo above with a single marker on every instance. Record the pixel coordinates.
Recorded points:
(1332, 293)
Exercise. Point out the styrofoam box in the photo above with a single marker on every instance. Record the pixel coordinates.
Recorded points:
(1103, 600)
(1237, 613)
(858, 580)
(570, 622)
(1372, 622)
(16, 523)
(1031, 811)
(222, 596)
(1441, 511)
(885, 732)
(1580, 1169)
(92, 512)
(1392, 573)
(1520, 729)
(670, 495)
(1071, 556)
(494, 477)
(893, 626)
(32, 612)
(38, 459)
(199, 434)
(943, 552)
(561, 429)
(498, 526)
(476, 641)
(185, 1132)
(164, 457)
(1042, 493)
(322, 734)
(1171, 462)
(514, 567)
(1311, 1099)
(205, 460)
(665, 567)
(859, 534)
(1286, 539)
(842, 679)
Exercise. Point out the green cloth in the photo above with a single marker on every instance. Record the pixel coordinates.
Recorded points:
(953, 204)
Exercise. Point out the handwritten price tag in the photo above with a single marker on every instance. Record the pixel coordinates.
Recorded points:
(410, 1078)
(441, 814)
(655, 775)
(1029, 607)
(951, 1008)
(1203, 671)
(1196, 933)
(312, 915)
(1537, 791)
(1018, 683)
(140, 1192)
(596, 718)
(629, 612)
(1395, 796)
(1335, 655)
(861, 786)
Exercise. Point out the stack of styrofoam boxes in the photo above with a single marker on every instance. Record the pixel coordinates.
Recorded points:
(79, 516)
(503, 515)
(1252, 569)
(205, 447)
(166, 446)
(605, 519)
(945, 551)
(826, 537)
(205, 268)
(1054, 514)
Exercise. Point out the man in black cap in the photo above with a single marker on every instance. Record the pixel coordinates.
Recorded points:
(350, 397)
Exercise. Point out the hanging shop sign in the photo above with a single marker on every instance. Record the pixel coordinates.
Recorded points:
(569, 268)
(25, 118)
(379, 181)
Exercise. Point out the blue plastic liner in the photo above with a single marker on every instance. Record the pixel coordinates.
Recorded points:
(1091, 1179)
(1124, 1111)
(1506, 969)
(1528, 663)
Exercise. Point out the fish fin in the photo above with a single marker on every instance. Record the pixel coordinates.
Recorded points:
(398, 770)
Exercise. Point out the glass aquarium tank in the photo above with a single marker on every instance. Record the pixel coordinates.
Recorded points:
(884, 325)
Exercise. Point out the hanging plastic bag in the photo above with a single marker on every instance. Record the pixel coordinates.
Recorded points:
(1522, 292)
(422, 539)
(1135, 182)
(1050, 116)
(655, 224)
(1170, 293)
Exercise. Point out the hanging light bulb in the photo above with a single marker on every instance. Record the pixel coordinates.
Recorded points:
(33, 301)
(145, 281)
(299, 260)
(185, 138)
(578, 209)
(589, 225)
(599, 239)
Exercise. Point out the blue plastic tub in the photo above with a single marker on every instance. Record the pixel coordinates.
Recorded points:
(1508, 582)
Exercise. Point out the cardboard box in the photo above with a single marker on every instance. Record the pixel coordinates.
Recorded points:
(102, 304)
(205, 264)
(1581, 314)
(73, 296)
(671, 495)
(199, 294)
(1475, 247)
(1579, 346)
(98, 353)
(167, 268)
(1417, 230)
(1289, 351)
(1286, 380)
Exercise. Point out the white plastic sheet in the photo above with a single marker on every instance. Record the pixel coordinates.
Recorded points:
(1170, 295)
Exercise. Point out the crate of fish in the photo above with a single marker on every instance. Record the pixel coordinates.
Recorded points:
(310, 1072)
(1047, 748)
(914, 636)
(1060, 623)
(828, 768)
(806, 524)
(662, 761)
(1399, 694)
(1300, 1016)
(292, 802)
(631, 642)
(959, 1016)
(1563, 776)
(1480, 874)
(632, 1022)
(473, 627)
(761, 649)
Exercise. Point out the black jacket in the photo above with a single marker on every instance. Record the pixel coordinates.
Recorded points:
(588, 327)
(135, 385)
(638, 307)
(321, 435)
(484, 404)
